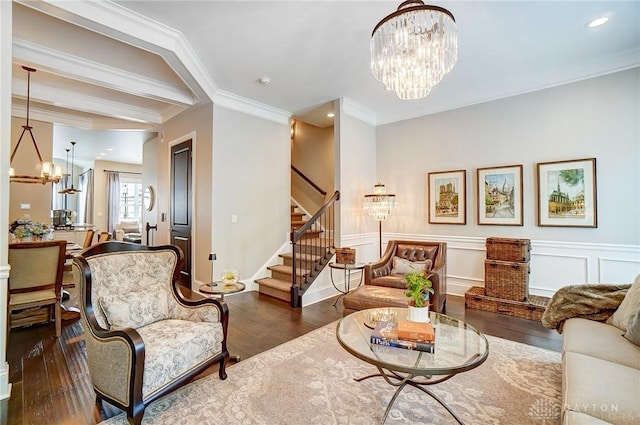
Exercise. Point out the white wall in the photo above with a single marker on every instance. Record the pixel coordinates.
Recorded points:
(150, 178)
(5, 146)
(592, 118)
(251, 180)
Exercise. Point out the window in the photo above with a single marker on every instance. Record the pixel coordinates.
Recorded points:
(131, 201)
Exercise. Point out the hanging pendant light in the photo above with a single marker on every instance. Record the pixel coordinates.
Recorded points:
(65, 176)
(413, 48)
(72, 190)
(49, 173)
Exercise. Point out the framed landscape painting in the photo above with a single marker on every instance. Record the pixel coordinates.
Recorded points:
(447, 197)
(567, 193)
(500, 195)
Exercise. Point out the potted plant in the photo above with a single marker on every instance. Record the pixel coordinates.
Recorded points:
(419, 289)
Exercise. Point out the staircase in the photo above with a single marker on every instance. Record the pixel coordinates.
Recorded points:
(279, 284)
(311, 252)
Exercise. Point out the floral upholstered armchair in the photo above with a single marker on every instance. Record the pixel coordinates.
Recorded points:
(143, 337)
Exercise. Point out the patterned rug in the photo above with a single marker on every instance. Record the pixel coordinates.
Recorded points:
(310, 381)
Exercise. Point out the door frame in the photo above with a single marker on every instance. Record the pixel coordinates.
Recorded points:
(194, 216)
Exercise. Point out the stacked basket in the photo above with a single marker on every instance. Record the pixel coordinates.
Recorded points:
(506, 269)
(506, 275)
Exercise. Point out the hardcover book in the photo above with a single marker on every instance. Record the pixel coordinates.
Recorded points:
(386, 333)
(415, 331)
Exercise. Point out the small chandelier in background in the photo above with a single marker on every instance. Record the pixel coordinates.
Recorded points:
(379, 205)
(70, 190)
(49, 173)
(413, 48)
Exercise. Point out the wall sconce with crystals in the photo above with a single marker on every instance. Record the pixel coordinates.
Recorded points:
(413, 48)
(379, 205)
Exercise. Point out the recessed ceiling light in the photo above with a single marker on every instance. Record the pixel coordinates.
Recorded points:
(109, 149)
(265, 81)
(331, 115)
(103, 154)
(596, 22)
(98, 157)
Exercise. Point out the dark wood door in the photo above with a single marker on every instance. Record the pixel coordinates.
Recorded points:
(181, 187)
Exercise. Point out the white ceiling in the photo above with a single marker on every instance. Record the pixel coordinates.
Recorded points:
(132, 65)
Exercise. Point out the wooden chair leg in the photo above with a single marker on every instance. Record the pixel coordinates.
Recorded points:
(58, 316)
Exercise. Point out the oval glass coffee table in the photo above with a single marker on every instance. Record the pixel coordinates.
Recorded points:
(458, 348)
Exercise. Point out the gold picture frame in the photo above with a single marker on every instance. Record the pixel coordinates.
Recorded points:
(499, 195)
(567, 193)
(447, 197)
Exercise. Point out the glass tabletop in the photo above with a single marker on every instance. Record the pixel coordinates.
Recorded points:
(458, 346)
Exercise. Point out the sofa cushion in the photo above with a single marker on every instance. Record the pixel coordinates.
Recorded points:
(402, 266)
(390, 281)
(136, 308)
(601, 341)
(370, 296)
(633, 331)
(175, 347)
(628, 308)
(579, 418)
(605, 390)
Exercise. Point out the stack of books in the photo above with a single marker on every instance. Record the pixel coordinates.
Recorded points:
(405, 334)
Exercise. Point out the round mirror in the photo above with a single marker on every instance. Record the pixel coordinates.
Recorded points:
(148, 198)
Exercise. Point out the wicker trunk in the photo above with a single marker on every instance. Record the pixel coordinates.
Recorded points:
(508, 280)
(505, 249)
(532, 309)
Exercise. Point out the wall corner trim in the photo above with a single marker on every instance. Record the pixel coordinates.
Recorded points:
(251, 107)
(358, 111)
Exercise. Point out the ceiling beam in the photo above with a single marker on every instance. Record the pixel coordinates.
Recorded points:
(82, 69)
(82, 102)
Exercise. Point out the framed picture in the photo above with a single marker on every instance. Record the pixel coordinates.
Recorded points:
(447, 197)
(567, 193)
(500, 195)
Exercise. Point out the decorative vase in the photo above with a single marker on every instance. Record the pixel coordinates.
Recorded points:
(418, 314)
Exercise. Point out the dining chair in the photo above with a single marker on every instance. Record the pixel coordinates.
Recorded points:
(35, 278)
(104, 236)
(88, 239)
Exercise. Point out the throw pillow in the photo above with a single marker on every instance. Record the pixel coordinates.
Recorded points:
(402, 266)
(628, 308)
(633, 331)
(137, 308)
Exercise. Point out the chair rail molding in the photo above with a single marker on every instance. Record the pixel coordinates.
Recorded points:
(554, 264)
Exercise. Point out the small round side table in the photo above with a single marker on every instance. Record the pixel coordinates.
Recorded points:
(347, 269)
(220, 288)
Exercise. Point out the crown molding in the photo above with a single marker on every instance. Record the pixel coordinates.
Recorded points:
(118, 22)
(74, 120)
(251, 107)
(84, 70)
(90, 104)
(358, 111)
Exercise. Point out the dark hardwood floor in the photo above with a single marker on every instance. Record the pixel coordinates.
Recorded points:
(51, 383)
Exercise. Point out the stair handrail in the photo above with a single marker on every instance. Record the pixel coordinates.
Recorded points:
(297, 234)
(316, 263)
(308, 180)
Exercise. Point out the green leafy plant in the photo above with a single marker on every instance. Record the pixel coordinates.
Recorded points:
(419, 288)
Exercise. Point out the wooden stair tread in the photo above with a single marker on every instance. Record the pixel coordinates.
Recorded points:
(287, 269)
(275, 283)
(307, 257)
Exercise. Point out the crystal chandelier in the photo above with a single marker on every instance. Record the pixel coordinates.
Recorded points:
(413, 48)
(49, 173)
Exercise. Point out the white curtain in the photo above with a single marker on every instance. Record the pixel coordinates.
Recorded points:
(113, 201)
(85, 199)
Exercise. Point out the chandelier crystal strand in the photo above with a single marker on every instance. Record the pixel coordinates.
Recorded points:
(414, 48)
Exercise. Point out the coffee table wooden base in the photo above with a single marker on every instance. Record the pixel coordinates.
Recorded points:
(410, 380)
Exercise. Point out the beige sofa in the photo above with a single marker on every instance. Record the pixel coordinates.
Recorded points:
(600, 363)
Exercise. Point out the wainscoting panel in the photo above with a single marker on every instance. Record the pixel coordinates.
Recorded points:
(554, 264)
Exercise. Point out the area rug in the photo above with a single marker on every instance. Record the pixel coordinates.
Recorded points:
(310, 380)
